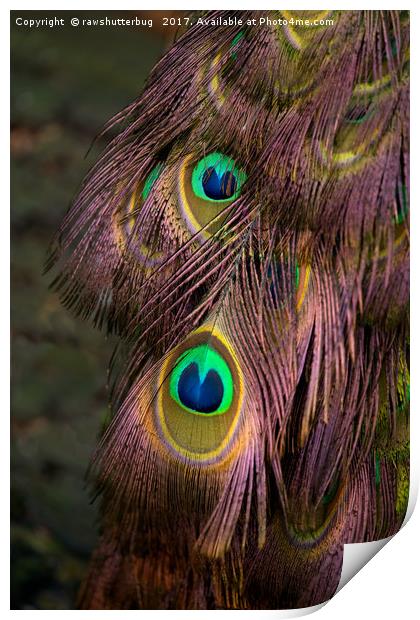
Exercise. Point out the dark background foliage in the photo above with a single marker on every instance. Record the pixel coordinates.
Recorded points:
(66, 82)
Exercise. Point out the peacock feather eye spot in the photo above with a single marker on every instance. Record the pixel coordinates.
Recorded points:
(201, 382)
(216, 177)
(204, 397)
(199, 397)
(219, 188)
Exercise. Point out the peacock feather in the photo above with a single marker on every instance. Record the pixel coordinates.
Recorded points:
(246, 236)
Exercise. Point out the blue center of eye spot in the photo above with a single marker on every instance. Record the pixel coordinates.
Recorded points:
(219, 188)
(202, 396)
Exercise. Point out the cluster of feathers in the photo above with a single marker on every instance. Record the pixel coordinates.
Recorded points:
(246, 236)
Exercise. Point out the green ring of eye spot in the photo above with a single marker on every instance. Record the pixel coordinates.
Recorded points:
(297, 275)
(234, 43)
(221, 165)
(399, 219)
(151, 179)
(202, 376)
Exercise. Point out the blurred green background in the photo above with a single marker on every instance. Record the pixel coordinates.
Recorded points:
(66, 82)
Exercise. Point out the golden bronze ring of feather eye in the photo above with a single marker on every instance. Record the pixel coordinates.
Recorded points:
(401, 233)
(323, 518)
(302, 277)
(124, 224)
(308, 18)
(303, 274)
(292, 36)
(199, 399)
(346, 157)
(215, 90)
(373, 87)
(294, 81)
(350, 157)
(211, 76)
